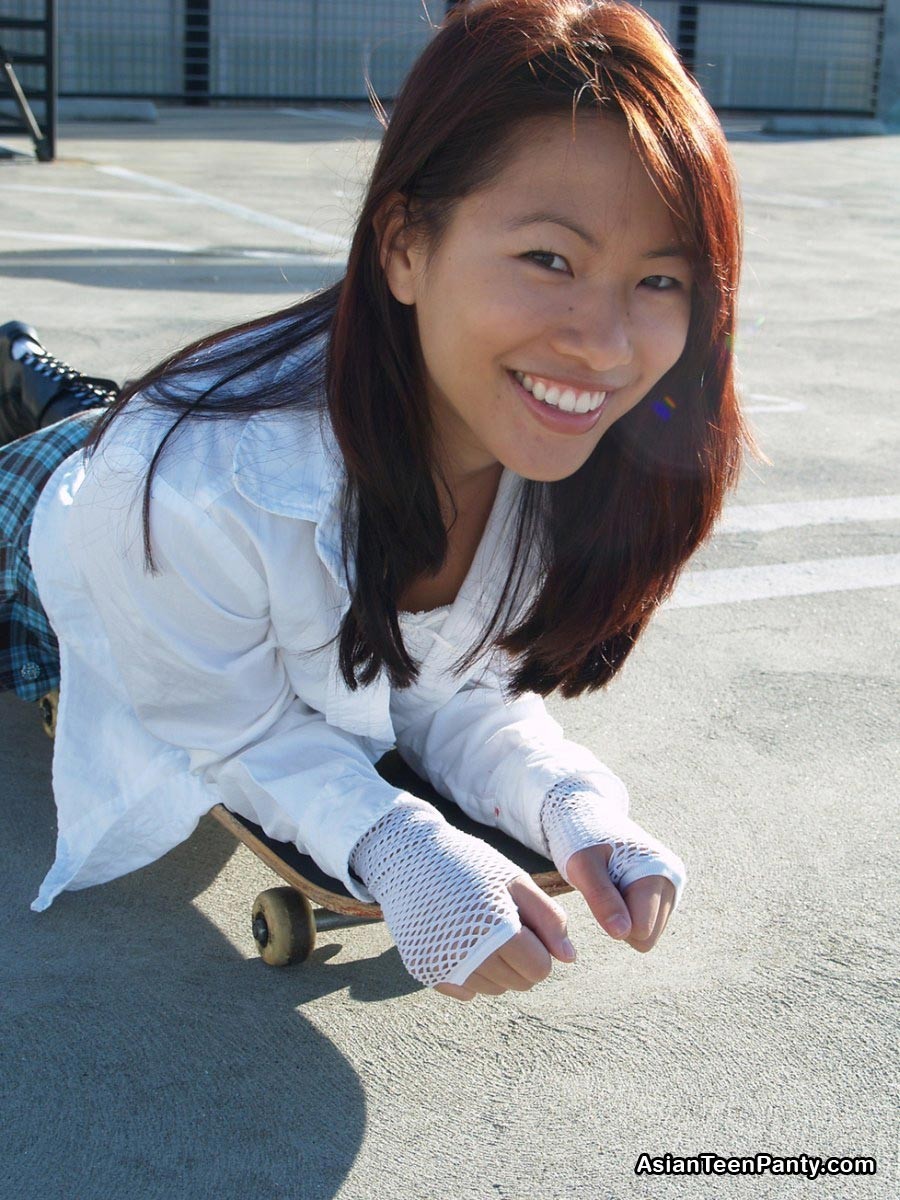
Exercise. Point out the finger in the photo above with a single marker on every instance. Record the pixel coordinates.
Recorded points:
(497, 975)
(587, 869)
(500, 971)
(645, 939)
(519, 963)
(666, 905)
(455, 991)
(642, 898)
(544, 917)
(483, 985)
(527, 956)
(662, 901)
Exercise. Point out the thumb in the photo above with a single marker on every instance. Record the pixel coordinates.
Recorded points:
(543, 916)
(587, 871)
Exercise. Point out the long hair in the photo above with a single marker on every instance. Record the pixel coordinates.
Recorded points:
(611, 538)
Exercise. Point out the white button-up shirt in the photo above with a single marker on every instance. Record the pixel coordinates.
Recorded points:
(216, 679)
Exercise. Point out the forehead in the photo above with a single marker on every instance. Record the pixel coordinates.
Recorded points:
(586, 165)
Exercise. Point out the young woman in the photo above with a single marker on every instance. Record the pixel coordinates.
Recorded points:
(406, 509)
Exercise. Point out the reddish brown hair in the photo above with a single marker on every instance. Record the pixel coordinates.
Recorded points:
(613, 537)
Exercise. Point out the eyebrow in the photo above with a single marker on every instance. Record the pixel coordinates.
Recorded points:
(674, 250)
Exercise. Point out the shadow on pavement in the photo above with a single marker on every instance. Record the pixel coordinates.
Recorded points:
(216, 270)
(231, 122)
(140, 1052)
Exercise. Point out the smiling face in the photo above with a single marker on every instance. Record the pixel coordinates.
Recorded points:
(557, 284)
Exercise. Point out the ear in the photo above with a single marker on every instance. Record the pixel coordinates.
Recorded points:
(396, 248)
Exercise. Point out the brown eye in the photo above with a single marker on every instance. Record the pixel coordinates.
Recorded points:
(536, 255)
(662, 283)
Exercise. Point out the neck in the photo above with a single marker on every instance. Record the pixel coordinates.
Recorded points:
(471, 491)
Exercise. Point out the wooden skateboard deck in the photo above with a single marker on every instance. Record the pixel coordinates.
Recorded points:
(310, 884)
(284, 925)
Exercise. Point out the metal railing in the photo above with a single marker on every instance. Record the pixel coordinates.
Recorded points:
(803, 56)
(36, 56)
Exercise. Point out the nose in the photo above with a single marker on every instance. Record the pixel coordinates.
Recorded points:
(597, 331)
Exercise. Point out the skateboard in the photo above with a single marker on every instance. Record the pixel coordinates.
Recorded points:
(285, 923)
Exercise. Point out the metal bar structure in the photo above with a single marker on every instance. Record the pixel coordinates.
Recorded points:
(754, 56)
(879, 62)
(686, 35)
(806, 57)
(43, 135)
(196, 51)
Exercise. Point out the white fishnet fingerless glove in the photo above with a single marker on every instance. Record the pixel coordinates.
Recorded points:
(573, 816)
(443, 892)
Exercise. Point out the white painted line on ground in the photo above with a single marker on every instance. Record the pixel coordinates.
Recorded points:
(757, 403)
(99, 243)
(305, 232)
(332, 114)
(74, 239)
(730, 585)
(762, 518)
(287, 256)
(102, 193)
(788, 200)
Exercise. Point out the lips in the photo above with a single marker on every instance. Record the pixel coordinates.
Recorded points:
(561, 395)
(553, 417)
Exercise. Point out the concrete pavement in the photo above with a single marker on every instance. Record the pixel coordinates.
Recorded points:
(145, 1050)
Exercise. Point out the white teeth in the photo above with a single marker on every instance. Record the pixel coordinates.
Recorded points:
(566, 399)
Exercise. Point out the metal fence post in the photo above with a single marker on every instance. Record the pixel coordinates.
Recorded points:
(50, 81)
(686, 35)
(196, 52)
(44, 138)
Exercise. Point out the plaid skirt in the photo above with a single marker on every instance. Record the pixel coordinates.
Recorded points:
(29, 651)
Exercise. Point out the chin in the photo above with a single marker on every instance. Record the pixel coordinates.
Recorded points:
(550, 476)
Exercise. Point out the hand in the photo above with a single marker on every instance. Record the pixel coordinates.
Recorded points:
(526, 958)
(643, 906)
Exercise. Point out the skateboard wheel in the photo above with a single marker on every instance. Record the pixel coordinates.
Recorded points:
(48, 705)
(284, 927)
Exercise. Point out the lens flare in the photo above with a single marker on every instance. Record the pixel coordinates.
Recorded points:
(664, 408)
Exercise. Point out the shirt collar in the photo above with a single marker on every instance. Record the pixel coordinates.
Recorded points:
(288, 462)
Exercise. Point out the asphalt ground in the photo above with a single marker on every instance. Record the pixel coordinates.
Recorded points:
(146, 1052)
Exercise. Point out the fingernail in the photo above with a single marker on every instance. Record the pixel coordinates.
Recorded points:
(617, 926)
(568, 950)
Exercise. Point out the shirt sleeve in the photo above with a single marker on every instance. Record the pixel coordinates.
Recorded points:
(497, 758)
(197, 657)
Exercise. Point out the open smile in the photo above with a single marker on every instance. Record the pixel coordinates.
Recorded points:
(558, 395)
(552, 415)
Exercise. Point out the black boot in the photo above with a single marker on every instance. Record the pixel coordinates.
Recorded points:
(38, 390)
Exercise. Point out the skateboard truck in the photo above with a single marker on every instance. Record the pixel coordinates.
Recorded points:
(283, 920)
(285, 924)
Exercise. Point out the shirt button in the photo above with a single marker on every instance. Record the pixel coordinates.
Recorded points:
(30, 671)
